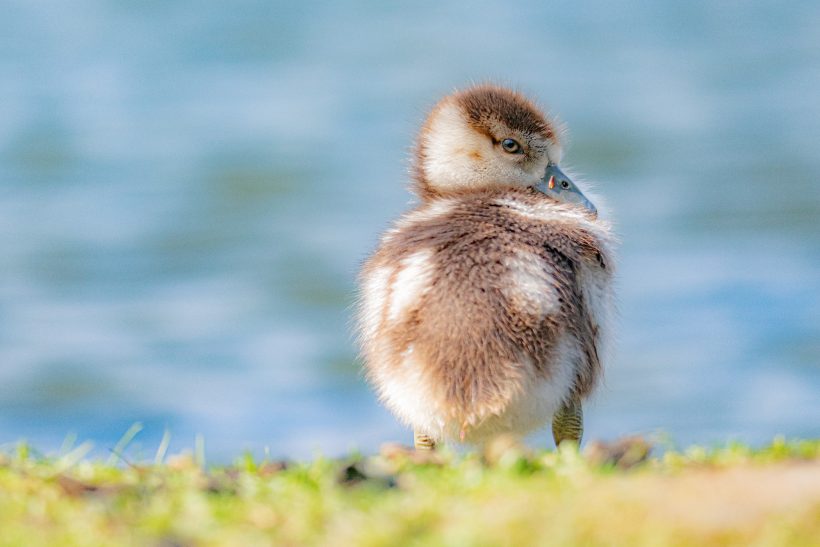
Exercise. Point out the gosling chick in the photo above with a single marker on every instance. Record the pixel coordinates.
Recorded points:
(485, 309)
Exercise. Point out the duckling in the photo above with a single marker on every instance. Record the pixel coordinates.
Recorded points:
(485, 309)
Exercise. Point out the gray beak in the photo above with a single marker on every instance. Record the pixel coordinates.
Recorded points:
(557, 185)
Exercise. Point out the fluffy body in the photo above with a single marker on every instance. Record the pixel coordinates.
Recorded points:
(486, 308)
(482, 314)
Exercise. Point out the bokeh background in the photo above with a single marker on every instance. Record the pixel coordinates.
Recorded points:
(187, 189)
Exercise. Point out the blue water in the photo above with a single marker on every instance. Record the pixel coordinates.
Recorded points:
(187, 190)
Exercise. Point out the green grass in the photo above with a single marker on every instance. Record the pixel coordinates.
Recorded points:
(609, 495)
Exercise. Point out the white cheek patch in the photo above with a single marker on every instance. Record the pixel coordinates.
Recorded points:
(529, 284)
(411, 282)
(449, 143)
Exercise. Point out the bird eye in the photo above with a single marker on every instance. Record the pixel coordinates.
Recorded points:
(511, 146)
(564, 184)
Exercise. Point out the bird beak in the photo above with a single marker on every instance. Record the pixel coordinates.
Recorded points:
(559, 186)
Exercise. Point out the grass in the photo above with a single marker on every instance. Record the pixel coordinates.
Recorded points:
(609, 495)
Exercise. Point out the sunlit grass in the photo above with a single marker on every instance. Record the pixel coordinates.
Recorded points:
(507, 495)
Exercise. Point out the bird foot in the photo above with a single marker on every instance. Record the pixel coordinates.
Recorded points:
(423, 442)
(568, 423)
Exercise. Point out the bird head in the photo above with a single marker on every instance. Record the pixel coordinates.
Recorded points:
(489, 137)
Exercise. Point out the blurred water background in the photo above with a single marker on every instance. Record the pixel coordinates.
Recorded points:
(187, 189)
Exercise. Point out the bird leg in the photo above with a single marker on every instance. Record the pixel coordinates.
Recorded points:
(568, 422)
(423, 442)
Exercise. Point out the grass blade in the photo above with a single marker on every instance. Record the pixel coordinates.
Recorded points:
(122, 444)
(163, 447)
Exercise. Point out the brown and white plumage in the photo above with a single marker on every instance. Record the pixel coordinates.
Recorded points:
(484, 309)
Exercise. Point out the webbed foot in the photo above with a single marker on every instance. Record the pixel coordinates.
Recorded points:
(568, 422)
(423, 441)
